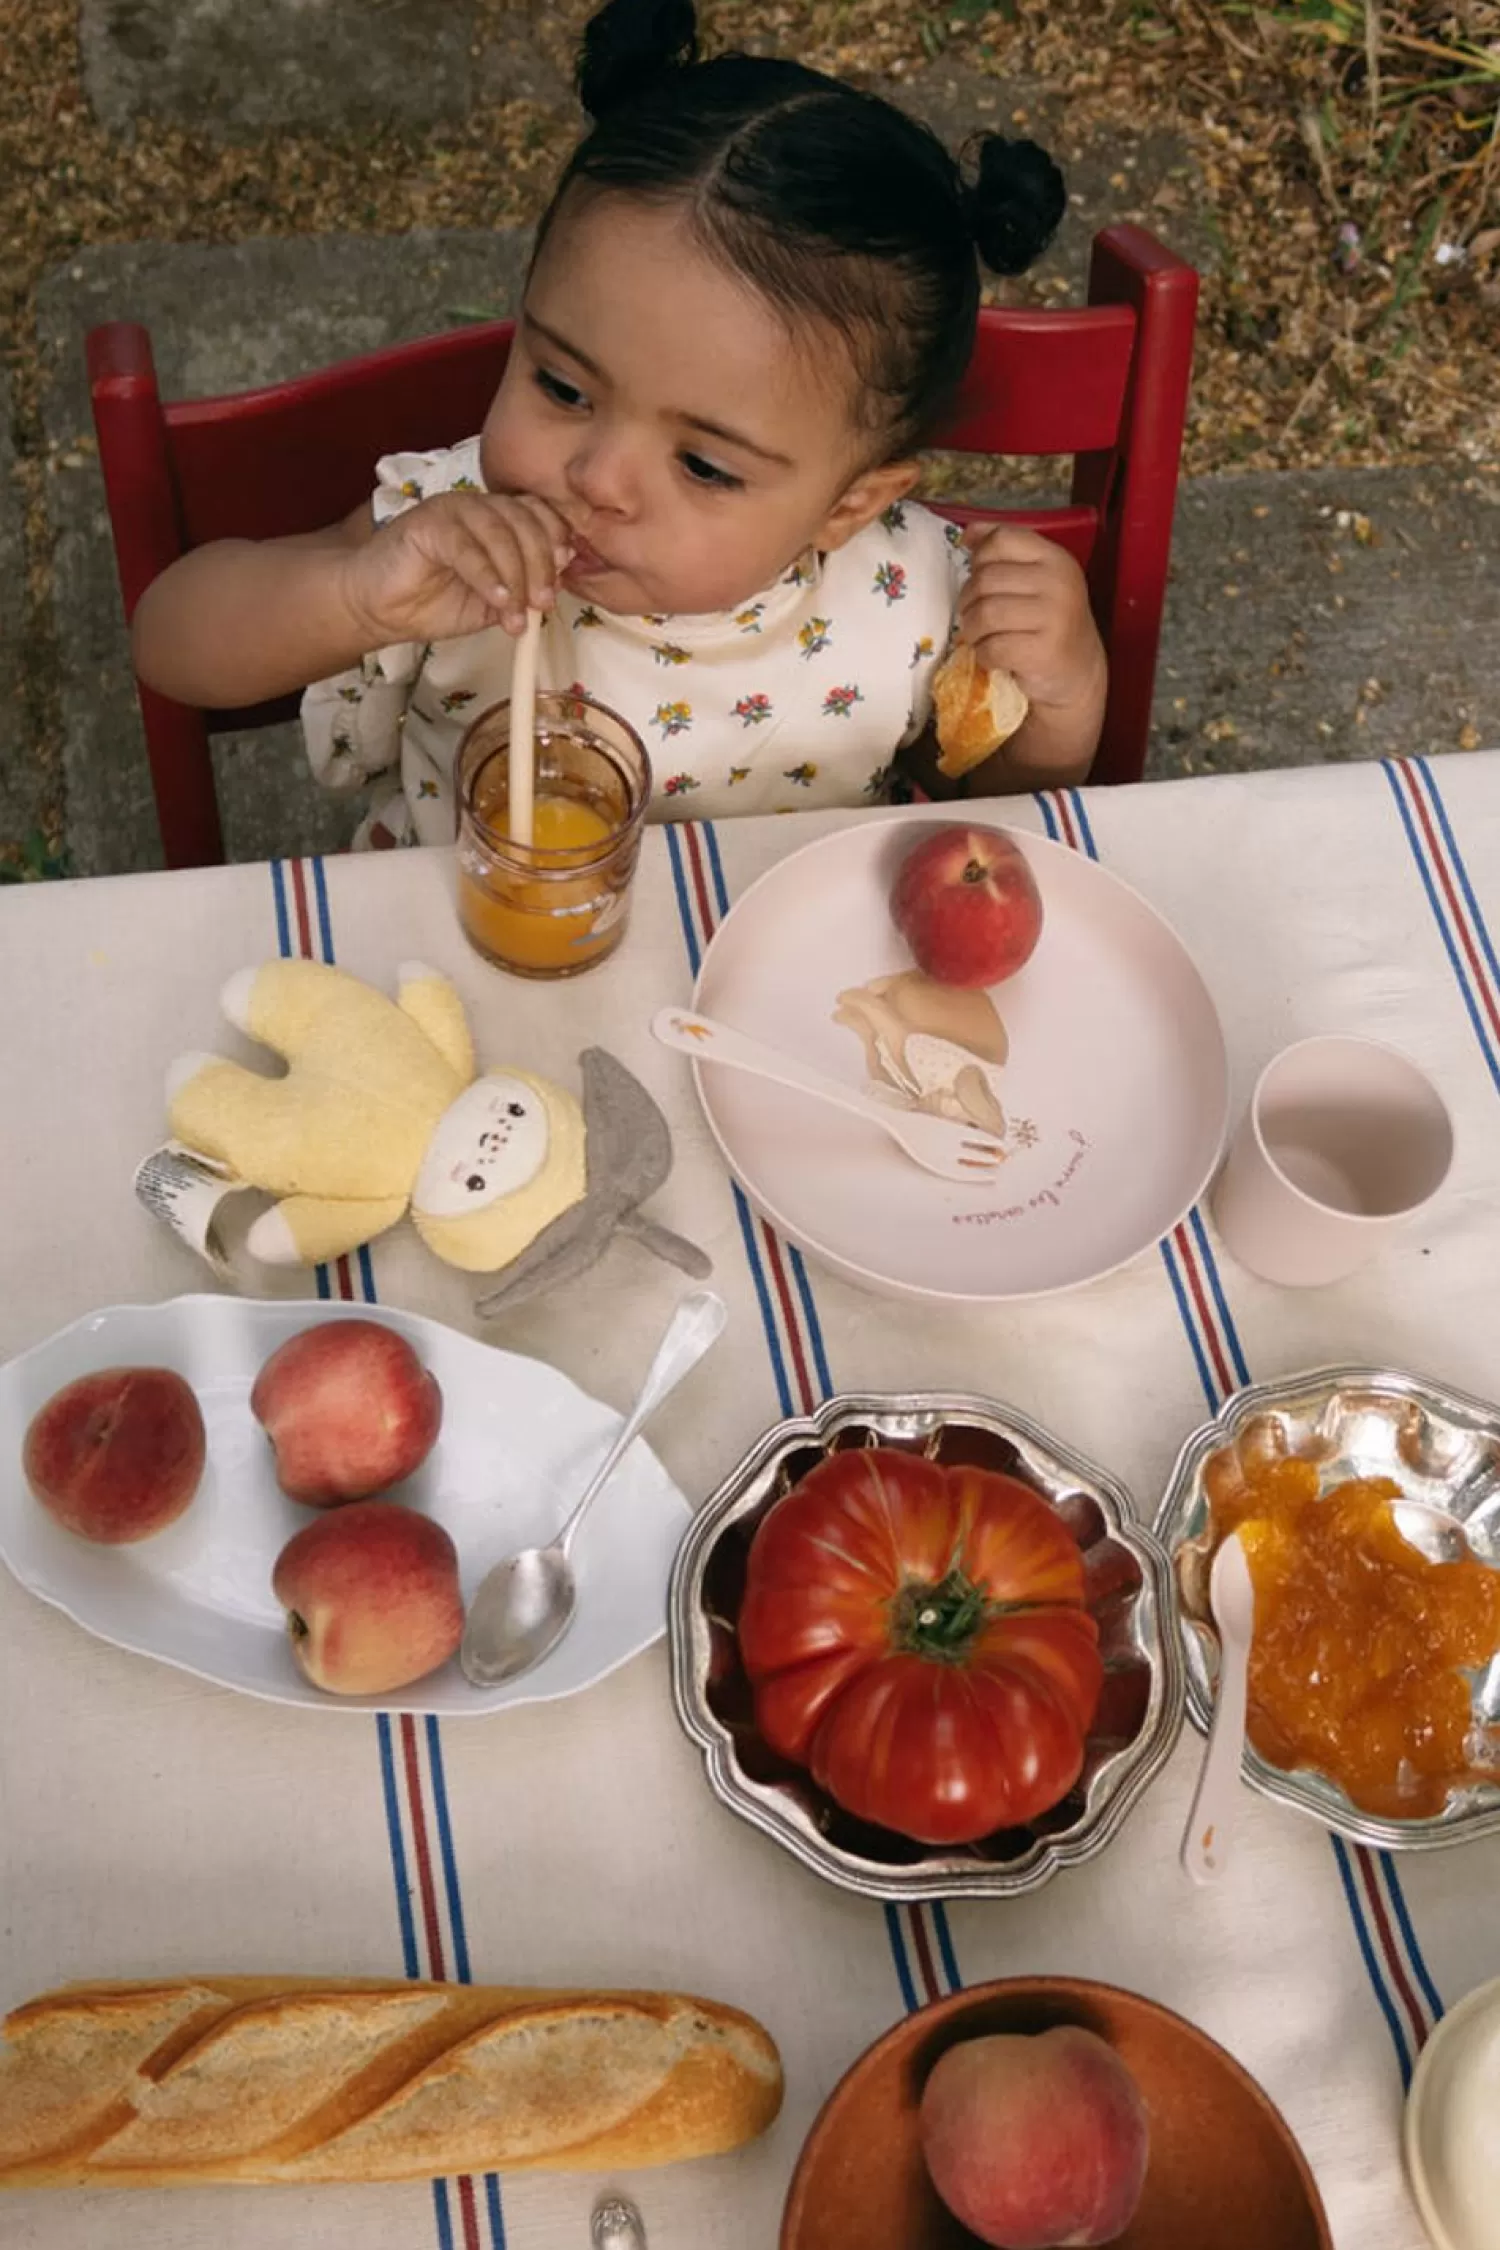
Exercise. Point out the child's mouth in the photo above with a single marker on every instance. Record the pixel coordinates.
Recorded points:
(587, 561)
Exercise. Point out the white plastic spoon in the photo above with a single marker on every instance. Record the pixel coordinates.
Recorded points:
(522, 787)
(1231, 1597)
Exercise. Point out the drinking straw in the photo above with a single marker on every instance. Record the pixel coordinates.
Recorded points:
(523, 731)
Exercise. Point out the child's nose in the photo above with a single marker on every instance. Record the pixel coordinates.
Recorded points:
(603, 475)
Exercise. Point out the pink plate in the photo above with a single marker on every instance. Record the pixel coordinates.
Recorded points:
(1111, 1099)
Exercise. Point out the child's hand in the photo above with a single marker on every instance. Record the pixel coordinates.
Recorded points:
(456, 564)
(1026, 610)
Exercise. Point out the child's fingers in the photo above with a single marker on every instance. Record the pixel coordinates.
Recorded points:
(553, 525)
(1009, 542)
(522, 553)
(1000, 582)
(489, 576)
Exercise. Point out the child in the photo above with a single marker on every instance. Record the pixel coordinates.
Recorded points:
(753, 296)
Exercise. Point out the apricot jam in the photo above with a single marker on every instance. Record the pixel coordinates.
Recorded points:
(1357, 1664)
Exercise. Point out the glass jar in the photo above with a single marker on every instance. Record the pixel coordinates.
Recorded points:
(560, 904)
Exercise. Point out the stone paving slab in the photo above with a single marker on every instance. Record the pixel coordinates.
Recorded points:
(234, 67)
(1331, 614)
(22, 794)
(221, 318)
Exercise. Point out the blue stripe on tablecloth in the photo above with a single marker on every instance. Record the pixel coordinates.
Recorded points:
(897, 1938)
(763, 1297)
(445, 1843)
(1190, 1326)
(320, 894)
(1210, 1266)
(283, 924)
(684, 904)
(1080, 814)
(407, 1919)
(1384, 1971)
(700, 906)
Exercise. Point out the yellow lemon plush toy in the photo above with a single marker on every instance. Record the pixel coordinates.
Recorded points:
(380, 1112)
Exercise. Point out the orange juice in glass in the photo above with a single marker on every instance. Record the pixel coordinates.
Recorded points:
(560, 904)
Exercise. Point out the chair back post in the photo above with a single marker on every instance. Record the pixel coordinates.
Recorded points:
(1134, 487)
(140, 488)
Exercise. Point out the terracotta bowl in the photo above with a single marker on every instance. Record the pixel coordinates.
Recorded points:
(1224, 2168)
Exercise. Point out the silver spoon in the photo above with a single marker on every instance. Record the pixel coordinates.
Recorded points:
(616, 2225)
(526, 1603)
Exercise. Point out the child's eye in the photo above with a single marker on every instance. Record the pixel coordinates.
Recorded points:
(560, 392)
(708, 472)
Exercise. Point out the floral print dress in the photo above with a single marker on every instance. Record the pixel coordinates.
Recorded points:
(797, 699)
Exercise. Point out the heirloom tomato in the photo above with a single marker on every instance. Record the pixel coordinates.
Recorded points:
(916, 1638)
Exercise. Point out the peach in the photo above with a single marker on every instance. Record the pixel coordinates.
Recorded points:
(967, 904)
(1035, 2141)
(349, 1409)
(372, 1597)
(117, 1455)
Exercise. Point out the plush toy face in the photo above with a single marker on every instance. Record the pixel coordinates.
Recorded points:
(493, 1140)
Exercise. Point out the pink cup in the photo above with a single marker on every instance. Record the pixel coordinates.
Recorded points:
(1344, 1142)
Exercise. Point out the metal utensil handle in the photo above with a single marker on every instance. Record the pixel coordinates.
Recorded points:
(708, 1040)
(697, 1323)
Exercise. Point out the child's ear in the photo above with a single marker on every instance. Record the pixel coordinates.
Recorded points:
(872, 492)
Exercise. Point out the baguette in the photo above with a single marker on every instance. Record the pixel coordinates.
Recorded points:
(349, 2078)
(976, 710)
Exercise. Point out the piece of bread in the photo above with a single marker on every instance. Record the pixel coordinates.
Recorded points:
(301, 2078)
(976, 710)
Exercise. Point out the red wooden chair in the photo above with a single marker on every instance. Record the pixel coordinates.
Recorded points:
(1106, 383)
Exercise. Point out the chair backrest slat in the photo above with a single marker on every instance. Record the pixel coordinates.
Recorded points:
(295, 456)
(1044, 382)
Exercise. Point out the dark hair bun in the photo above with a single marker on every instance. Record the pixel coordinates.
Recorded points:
(1015, 204)
(628, 43)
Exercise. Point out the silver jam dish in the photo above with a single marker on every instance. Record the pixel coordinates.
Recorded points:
(1128, 1590)
(1441, 1446)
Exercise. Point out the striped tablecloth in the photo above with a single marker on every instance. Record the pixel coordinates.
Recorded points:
(150, 1823)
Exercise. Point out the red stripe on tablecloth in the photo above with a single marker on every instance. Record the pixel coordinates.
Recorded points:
(777, 1263)
(1065, 818)
(1188, 1255)
(304, 919)
(922, 1946)
(468, 2212)
(1418, 800)
(1416, 2013)
(700, 877)
(427, 1889)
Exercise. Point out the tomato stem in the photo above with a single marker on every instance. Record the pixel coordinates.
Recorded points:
(938, 1621)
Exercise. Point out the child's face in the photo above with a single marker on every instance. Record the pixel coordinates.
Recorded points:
(694, 446)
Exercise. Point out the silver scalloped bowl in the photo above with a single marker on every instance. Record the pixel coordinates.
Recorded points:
(1128, 1590)
(1442, 1447)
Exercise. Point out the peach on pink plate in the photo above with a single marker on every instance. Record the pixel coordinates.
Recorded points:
(518, 1442)
(1097, 1061)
